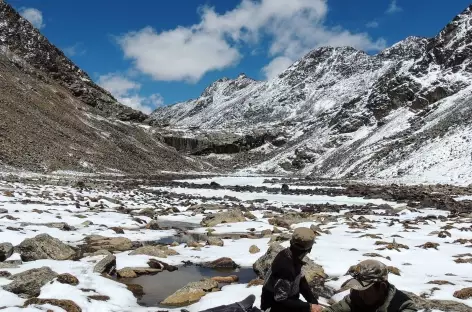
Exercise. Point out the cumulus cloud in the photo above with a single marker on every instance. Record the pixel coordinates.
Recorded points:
(292, 28)
(393, 7)
(126, 92)
(34, 16)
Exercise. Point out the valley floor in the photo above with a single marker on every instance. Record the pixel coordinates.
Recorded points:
(429, 249)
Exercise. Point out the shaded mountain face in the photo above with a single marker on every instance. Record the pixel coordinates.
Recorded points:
(53, 117)
(343, 112)
(19, 37)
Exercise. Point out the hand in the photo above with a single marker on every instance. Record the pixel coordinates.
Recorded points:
(316, 308)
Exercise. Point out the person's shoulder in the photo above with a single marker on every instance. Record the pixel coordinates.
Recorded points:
(404, 302)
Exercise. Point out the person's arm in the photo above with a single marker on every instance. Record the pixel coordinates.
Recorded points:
(408, 306)
(305, 290)
(342, 306)
(281, 295)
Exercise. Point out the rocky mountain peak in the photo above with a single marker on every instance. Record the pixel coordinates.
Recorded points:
(33, 52)
(412, 47)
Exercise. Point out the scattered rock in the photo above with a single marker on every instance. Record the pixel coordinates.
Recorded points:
(266, 232)
(5, 274)
(440, 282)
(230, 216)
(374, 236)
(67, 305)
(226, 279)
(191, 293)
(440, 305)
(153, 225)
(96, 242)
(283, 237)
(137, 290)
(393, 270)
(249, 215)
(156, 264)
(463, 260)
(465, 293)
(106, 265)
(391, 246)
(126, 273)
(6, 250)
(429, 245)
(255, 282)
(221, 263)
(117, 230)
(254, 249)
(44, 246)
(98, 297)
(68, 279)
(30, 282)
(153, 251)
(215, 241)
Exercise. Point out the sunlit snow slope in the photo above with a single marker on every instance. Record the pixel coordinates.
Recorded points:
(403, 113)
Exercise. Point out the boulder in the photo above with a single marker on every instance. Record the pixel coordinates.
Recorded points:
(226, 279)
(215, 241)
(126, 273)
(30, 281)
(153, 225)
(465, 293)
(154, 251)
(106, 265)
(6, 250)
(44, 246)
(191, 293)
(221, 263)
(66, 305)
(156, 264)
(314, 273)
(96, 242)
(287, 220)
(230, 216)
(254, 249)
(68, 279)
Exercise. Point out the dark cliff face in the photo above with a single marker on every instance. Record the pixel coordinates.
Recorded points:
(19, 37)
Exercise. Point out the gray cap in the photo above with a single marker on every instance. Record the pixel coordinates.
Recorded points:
(365, 274)
(303, 238)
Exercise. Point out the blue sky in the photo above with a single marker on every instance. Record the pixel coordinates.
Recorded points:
(151, 53)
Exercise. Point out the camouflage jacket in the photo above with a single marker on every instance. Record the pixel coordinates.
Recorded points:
(345, 304)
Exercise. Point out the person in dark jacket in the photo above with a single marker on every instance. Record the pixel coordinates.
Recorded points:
(371, 291)
(285, 281)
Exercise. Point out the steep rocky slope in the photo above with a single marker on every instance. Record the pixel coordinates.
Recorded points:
(403, 113)
(52, 117)
(19, 37)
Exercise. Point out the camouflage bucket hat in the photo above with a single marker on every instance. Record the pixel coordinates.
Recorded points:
(303, 238)
(365, 274)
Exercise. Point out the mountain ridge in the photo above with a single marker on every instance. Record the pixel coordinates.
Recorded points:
(334, 100)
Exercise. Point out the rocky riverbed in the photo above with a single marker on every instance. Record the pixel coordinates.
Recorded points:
(114, 244)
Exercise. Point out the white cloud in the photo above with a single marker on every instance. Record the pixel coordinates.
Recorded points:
(74, 50)
(125, 91)
(34, 16)
(292, 28)
(393, 7)
(372, 24)
(276, 66)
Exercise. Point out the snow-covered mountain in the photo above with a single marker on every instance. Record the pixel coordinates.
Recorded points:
(403, 113)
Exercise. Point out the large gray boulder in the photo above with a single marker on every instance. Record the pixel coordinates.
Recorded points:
(191, 293)
(30, 282)
(314, 273)
(106, 265)
(44, 246)
(230, 216)
(96, 242)
(6, 250)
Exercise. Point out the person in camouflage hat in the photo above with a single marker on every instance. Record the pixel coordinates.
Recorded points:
(371, 291)
(285, 281)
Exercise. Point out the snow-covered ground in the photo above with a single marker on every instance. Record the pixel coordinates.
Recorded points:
(32, 208)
